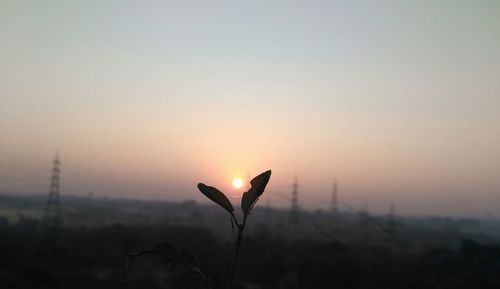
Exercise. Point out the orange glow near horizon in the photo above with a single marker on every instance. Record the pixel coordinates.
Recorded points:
(231, 100)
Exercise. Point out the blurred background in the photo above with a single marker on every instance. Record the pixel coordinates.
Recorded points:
(379, 119)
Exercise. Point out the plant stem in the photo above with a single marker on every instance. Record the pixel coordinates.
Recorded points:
(241, 227)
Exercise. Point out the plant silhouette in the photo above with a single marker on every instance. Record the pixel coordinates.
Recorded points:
(248, 200)
(185, 270)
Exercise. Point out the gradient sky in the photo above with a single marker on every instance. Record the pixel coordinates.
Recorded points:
(397, 100)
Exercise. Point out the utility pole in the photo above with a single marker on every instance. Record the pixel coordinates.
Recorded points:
(52, 218)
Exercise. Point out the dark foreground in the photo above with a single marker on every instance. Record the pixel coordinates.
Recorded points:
(96, 258)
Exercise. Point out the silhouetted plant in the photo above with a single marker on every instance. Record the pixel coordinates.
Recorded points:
(184, 267)
(185, 270)
(248, 200)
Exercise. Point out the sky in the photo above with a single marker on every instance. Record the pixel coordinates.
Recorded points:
(398, 101)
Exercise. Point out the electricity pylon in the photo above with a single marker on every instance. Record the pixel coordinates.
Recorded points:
(294, 209)
(52, 218)
(334, 205)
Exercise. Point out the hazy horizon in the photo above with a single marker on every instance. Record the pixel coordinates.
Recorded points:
(399, 101)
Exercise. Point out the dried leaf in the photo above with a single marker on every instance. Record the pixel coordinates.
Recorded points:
(165, 250)
(259, 184)
(189, 258)
(216, 196)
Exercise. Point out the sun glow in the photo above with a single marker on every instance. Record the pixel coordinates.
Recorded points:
(237, 183)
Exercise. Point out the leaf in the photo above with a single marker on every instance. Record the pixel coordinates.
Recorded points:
(216, 196)
(259, 184)
(189, 258)
(165, 250)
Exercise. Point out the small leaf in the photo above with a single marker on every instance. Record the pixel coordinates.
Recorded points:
(259, 184)
(165, 250)
(217, 196)
(189, 258)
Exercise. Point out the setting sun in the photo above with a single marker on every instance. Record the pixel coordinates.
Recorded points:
(237, 183)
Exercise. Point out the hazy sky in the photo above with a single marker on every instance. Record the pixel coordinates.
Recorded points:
(397, 100)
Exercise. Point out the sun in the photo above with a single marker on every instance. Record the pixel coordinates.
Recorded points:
(237, 183)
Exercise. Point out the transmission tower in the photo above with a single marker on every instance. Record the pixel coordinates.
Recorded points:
(294, 209)
(392, 220)
(52, 218)
(334, 205)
